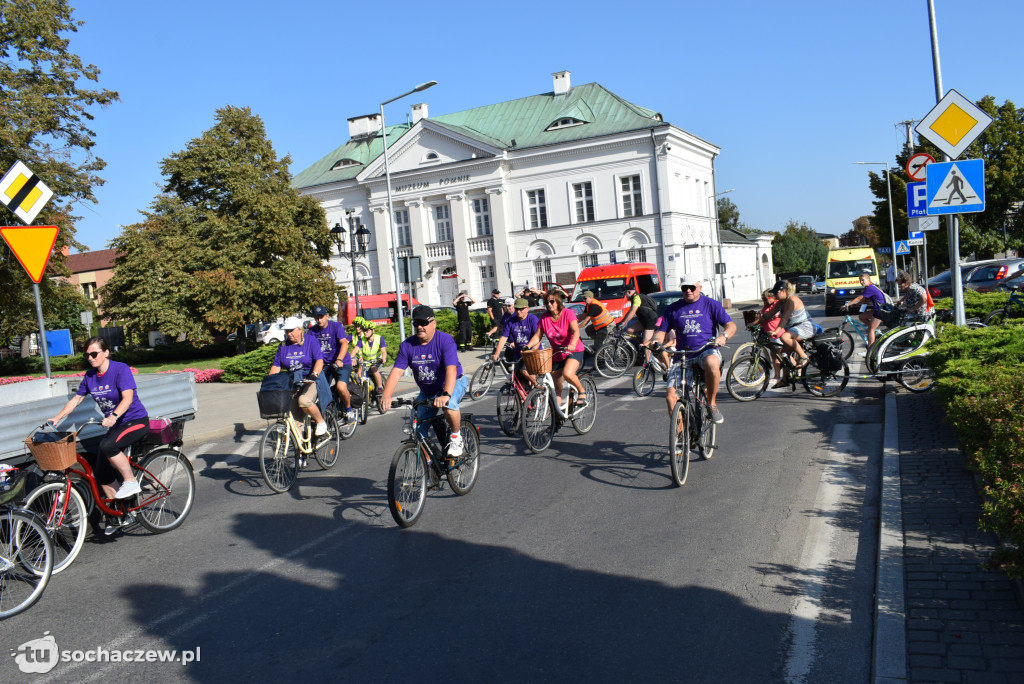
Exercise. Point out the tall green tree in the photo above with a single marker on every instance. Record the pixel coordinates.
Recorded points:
(229, 241)
(45, 110)
(862, 233)
(798, 250)
(729, 216)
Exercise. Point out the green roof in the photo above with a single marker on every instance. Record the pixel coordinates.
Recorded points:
(524, 121)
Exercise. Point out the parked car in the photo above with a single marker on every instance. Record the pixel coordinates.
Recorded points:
(805, 283)
(819, 283)
(941, 285)
(274, 332)
(985, 277)
(1010, 282)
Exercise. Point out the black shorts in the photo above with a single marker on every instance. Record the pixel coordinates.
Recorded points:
(117, 439)
(559, 365)
(647, 317)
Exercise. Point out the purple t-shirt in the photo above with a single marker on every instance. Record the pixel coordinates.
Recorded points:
(330, 339)
(872, 293)
(106, 390)
(299, 357)
(694, 323)
(429, 361)
(520, 332)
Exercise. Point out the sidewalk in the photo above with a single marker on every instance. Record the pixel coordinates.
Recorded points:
(958, 622)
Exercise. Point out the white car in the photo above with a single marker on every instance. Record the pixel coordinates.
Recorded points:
(274, 332)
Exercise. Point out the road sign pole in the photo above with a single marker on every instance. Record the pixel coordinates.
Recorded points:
(42, 330)
(924, 253)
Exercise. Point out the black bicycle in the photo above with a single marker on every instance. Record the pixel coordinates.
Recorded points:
(483, 378)
(825, 373)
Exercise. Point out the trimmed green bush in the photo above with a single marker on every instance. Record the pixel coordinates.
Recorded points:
(250, 367)
(976, 304)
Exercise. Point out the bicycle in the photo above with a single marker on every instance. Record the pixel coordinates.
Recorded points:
(1013, 308)
(26, 553)
(825, 374)
(511, 396)
(690, 424)
(368, 390)
(617, 354)
(646, 376)
(287, 444)
(542, 412)
(408, 477)
(482, 379)
(162, 471)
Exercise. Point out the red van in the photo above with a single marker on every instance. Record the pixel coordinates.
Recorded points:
(382, 308)
(608, 283)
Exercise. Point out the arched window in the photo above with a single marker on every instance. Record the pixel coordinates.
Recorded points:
(344, 163)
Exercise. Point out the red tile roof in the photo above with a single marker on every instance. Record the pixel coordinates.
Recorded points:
(99, 260)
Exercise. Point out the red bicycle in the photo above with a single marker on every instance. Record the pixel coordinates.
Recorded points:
(67, 495)
(510, 402)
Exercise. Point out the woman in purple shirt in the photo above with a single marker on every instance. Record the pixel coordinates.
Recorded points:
(112, 387)
(873, 317)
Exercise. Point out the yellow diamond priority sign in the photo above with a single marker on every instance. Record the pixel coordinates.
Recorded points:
(953, 124)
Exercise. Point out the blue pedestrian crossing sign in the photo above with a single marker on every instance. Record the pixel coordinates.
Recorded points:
(902, 247)
(956, 187)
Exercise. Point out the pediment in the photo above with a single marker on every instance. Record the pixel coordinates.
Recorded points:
(427, 145)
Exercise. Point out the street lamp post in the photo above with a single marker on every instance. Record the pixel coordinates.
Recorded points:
(391, 211)
(718, 230)
(892, 229)
(359, 239)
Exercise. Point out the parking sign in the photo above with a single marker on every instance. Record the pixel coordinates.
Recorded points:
(917, 199)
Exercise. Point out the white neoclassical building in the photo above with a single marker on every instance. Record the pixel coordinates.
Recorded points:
(528, 191)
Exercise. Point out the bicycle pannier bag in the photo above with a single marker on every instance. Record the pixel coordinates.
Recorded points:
(355, 392)
(828, 358)
(275, 396)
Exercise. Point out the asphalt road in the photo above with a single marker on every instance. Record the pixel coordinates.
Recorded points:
(582, 563)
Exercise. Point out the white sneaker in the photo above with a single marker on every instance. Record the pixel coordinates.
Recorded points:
(128, 490)
(455, 448)
(321, 429)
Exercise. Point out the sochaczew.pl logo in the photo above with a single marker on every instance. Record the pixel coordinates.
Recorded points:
(39, 656)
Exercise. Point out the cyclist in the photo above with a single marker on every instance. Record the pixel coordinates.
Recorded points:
(520, 327)
(371, 351)
(643, 313)
(334, 343)
(562, 329)
(596, 319)
(915, 299)
(300, 355)
(435, 362)
(794, 323)
(873, 318)
(112, 387)
(695, 319)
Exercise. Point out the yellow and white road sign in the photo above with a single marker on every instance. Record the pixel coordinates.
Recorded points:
(23, 192)
(953, 124)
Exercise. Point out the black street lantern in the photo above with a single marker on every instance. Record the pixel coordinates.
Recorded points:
(359, 238)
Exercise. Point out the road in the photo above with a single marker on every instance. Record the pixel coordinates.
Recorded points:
(582, 563)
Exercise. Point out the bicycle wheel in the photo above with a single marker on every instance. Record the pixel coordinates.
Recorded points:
(481, 381)
(538, 420)
(168, 490)
(326, 454)
(997, 317)
(26, 560)
(744, 348)
(705, 431)
(826, 383)
(407, 484)
(679, 443)
(462, 475)
(849, 343)
(583, 419)
(916, 375)
(279, 458)
(629, 354)
(748, 377)
(364, 406)
(643, 381)
(509, 408)
(893, 349)
(605, 361)
(345, 428)
(67, 526)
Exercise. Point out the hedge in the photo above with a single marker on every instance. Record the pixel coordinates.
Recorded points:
(976, 304)
(164, 353)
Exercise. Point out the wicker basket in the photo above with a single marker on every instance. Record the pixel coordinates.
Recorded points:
(537, 360)
(57, 455)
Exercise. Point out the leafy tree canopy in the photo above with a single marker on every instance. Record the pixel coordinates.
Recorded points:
(862, 233)
(227, 243)
(729, 216)
(798, 250)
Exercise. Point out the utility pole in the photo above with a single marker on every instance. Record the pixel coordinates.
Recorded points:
(923, 249)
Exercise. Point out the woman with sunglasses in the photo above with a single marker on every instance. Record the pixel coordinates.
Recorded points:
(112, 387)
(562, 329)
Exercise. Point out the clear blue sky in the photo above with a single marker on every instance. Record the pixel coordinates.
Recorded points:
(793, 91)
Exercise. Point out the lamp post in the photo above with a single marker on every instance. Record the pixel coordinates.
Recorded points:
(892, 230)
(718, 230)
(391, 211)
(359, 239)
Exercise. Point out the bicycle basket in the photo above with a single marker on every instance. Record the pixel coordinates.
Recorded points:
(537, 360)
(890, 315)
(749, 316)
(53, 450)
(827, 358)
(829, 336)
(274, 403)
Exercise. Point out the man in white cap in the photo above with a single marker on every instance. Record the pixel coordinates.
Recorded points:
(300, 355)
(696, 319)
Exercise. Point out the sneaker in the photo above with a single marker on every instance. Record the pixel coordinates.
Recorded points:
(302, 462)
(350, 415)
(716, 416)
(455, 448)
(128, 490)
(110, 528)
(321, 429)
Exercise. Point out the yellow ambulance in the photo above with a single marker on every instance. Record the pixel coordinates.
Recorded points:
(842, 275)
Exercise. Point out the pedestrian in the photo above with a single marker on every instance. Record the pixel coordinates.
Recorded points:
(890, 279)
(495, 309)
(461, 304)
(531, 295)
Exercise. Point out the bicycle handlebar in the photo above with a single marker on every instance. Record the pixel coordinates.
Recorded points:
(415, 403)
(683, 352)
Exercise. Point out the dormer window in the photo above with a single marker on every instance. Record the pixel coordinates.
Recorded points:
(567, 122)
(431, 157)
(343, 163)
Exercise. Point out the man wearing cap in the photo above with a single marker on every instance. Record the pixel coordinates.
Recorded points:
(520, 329)
(695, 319)
(461, 305)
(334, 341)
(495, 309)
(435, 363)
(508, 312)
(597, 320)
(300, 355)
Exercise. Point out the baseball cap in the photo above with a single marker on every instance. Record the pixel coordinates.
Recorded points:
(630, 287)
(319, 311)
(291, 323)
(780, 286)
(687, 280)
(521, 303)
(590, 293)
(495, 291)
(510, 301)
(422, 312)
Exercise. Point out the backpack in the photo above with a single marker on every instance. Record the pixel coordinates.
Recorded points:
(647, 301)
(888, 299)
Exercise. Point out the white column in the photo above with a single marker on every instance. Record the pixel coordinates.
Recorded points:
(500, 226)
(461, 232)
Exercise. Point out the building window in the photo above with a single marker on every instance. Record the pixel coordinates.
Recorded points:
(588, 260)
(402, 228)
(583, 195)
(538, 209)
(542, 271)
(636, 254)
(487, 280)
(342, 163)
(443, 223)
(364, 287)
(89, 290)
(482, 216)
(567, 122)
(632, 201)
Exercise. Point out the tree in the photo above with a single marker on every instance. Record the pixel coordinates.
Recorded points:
(729, 216)
(862, 233)
(798, 250)
(44, 119)
(229, 242)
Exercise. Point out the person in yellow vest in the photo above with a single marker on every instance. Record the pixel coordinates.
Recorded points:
(371, 351)
(597, 320)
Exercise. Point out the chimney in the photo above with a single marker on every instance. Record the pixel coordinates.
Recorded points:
(419, 111)
(561, 82)
(362, 126)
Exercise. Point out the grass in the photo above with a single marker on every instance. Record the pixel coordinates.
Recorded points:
(199, 364)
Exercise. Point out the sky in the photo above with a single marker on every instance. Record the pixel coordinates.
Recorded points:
(793, 92)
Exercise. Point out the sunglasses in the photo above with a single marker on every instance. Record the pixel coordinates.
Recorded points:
(552, 301)
(689, 288)
(92, 355)
(422, 322)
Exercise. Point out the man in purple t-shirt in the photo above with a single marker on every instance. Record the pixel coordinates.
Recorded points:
(695, 319)
(334, 343)
(872, 318)
(434, 358)
(300, 354)
(518, 330)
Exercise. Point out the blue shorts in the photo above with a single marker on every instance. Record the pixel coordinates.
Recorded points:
(675, 372)
(336, 374)
(425, 413)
